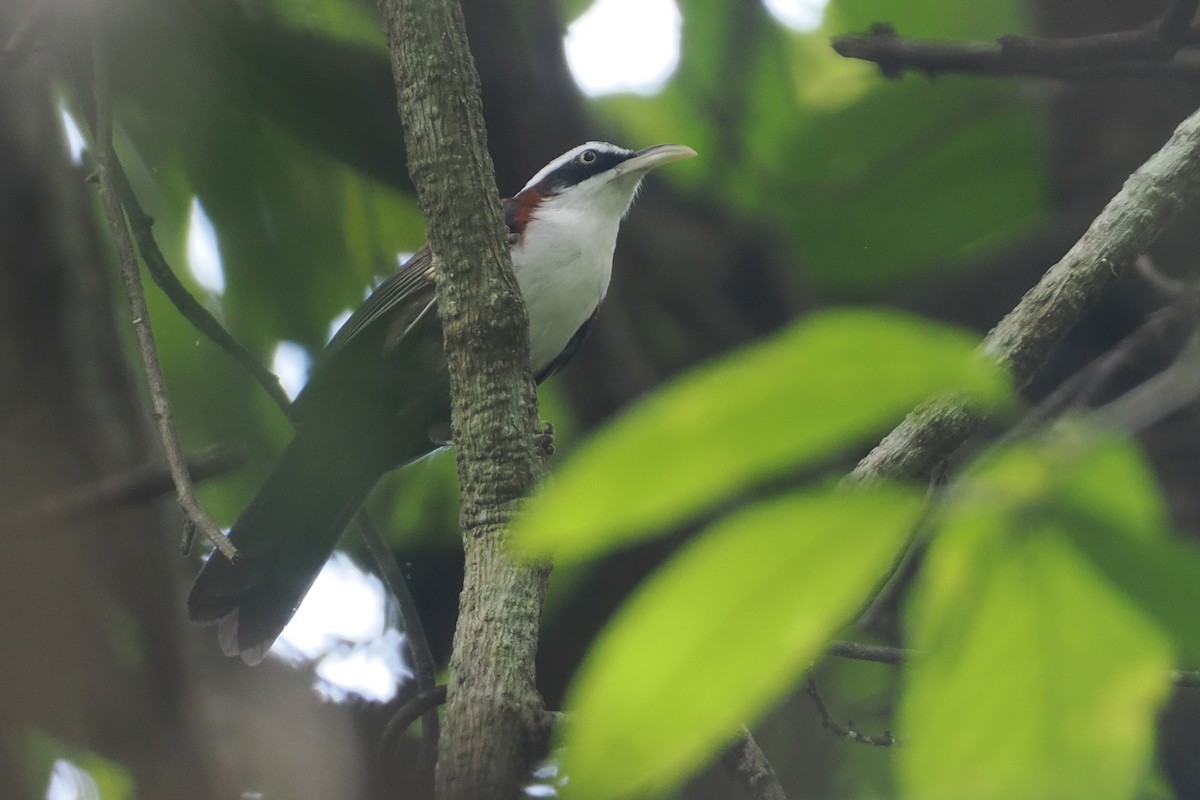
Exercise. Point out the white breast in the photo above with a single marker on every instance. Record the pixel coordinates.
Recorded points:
(563, 264)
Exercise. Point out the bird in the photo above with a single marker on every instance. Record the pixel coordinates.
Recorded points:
(378, 397)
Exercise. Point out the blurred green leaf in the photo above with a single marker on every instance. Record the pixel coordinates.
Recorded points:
(874, 182)
(1160, 576)
(357, 22)
(722, 631)
(960, 178)
(1105, 476)
(823, 384)
(1036, 676)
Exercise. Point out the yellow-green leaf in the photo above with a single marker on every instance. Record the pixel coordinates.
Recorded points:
(832, 380)
(1036, 677)
(722, 631)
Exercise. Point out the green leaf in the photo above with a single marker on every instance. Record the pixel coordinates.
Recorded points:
(873, 182)
(1036, 676)
(1106, 500)
(1100, 473)
(722, 631)
(828, 382)
(1160, 576)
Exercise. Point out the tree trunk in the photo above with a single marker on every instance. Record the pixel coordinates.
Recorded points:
(494, 718)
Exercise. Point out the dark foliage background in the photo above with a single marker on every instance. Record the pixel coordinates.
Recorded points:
(821, 183)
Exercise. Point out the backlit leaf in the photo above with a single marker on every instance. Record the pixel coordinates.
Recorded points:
(1036, 676)
(831, 381)
(722, 631)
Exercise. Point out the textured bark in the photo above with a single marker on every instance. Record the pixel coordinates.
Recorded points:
(493, 713)
(1126, 227)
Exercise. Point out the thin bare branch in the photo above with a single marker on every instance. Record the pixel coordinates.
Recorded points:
(856, 651)
(185, 492)
(847, 731)
(1151, 51)
(1164, 394)
(1080, 389)
(187, 305)
(125, 488)
(898, 656)
(419, 706)
(1020, 342)
(880, 610)
(420, 653)
(204, 322)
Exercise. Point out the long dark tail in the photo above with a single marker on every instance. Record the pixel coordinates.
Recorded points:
(283, 538)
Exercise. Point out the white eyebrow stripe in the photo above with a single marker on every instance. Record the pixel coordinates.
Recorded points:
(569, 156)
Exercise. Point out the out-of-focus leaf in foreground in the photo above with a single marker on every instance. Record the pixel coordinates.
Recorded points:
(1037, 677)
(826, 383)
(722, 631)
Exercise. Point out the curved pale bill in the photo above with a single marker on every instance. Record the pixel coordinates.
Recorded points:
(652, 157)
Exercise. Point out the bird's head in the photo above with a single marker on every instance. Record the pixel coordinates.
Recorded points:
(596, 181)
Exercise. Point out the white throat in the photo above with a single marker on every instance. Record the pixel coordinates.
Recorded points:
(563, 262)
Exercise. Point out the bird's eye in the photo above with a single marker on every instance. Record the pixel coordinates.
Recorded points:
(587, 157)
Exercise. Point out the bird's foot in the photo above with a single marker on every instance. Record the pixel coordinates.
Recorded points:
(544, 439)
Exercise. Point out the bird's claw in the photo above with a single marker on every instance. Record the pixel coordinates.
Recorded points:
(544, 439)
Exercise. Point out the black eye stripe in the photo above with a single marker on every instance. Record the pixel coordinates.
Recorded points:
(589, 162)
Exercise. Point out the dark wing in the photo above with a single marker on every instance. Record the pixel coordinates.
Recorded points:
(349, 371)
(406, 300)
(412, 283)
(568, 352)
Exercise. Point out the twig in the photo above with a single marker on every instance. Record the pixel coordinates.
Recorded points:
(124, 488)
(187, 305)
(896, 55)
(856, 651)
(749, 764)
(744, 758)
(898, 656)
(424, 666)
(1020, 342)
(1158, 280)
(1161, 395)
(848, 730)
(406, 715)
(1151, 51)
(882, 604)
(130, 272)
(1082, 387)
(200, 318)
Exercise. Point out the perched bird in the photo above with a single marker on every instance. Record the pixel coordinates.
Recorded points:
(379, 396)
